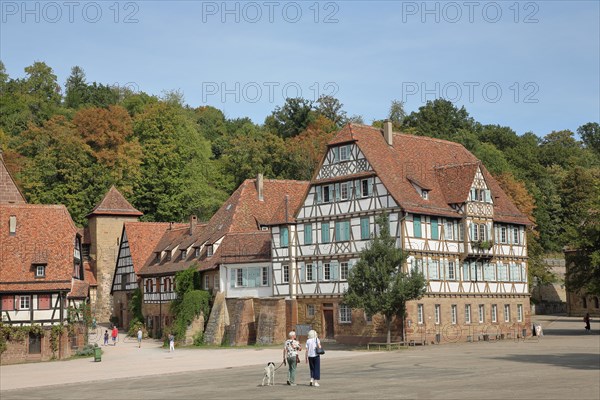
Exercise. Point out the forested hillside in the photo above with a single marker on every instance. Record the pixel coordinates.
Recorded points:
(67, 144)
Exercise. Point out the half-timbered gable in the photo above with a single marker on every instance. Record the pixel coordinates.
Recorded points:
(445, 209)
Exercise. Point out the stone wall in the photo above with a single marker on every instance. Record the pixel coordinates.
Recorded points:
(18, 351)
(217, 321)
(271, 327)
(241, 330)
(196, 327)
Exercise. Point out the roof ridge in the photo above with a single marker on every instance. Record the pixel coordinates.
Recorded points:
(446, 166)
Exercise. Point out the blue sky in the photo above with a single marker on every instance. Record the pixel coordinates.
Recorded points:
(530, 65)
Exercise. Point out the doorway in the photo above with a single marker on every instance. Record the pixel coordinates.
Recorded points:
(328, 321)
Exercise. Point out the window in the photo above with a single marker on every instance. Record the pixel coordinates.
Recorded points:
(368, 318)
(503, 234)
(482, 232)
(365, 190)
(310, 310)
(507, 313)
(344, 153)
(12, 225)
(284, 237)
(449, 230)
(516, 235)
(40, 271)
(481, 313)
(437, 313)
(167, 284)
(327, 195)
(433, 269)
(420, 313)
(453, 314)
(342, 231)
(474, 232)
(216, 282)
(197, 252)
(8, 303)
(309, 273)
(24, 302)
(35, 343)
(584, 302)
(502, 272)
(466, 274)
(596, 302)
(451, 273)
(206, 281)
(489, 272)
(240, 279)
(325, 232)
(157, 259)
(307, 233)
(345, 191)
(364, 228)
(344, 271)
(286, 274)
(326, 271)
(183, 254)
(345, 314)
(425, 194)
(435, 234)
(264, 276)
(461, 232)
(209, 250)
(494, 313)
(519, 312)
(467, 313)
(169, 255)
(417, 226)
(149, 286)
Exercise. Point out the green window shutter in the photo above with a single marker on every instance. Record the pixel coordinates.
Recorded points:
(337, 192)
(320, 271)
(307, 233)
(434, 229)
(357, 189)
(232, 274)
(370, 183)
(319, 194)
(364, 228)
(335, 266)
(417, 226)
(325, 232)
(336, 154)
(338, 231)
(314, 271)
(302, 271)
(283, 237)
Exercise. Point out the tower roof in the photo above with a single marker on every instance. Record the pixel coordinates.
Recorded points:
(114, 203)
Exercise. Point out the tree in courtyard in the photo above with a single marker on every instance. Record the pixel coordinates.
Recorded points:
(377, 282)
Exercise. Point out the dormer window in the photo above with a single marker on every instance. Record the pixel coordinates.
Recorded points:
(425, 194)
(197, 252)
(209, 250)
(12, 225)
(183, 254)
(40, 271)
(157, 256)
(168, 255)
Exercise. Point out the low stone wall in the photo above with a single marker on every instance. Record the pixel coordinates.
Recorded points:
(17, 351)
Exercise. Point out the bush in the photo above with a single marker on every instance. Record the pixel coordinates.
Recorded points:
(87, 350)
(134, 326)
(193, 304)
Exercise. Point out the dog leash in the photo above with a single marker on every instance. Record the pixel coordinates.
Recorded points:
(280, 365)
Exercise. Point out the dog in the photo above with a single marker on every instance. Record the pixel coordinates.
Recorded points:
(269, 374)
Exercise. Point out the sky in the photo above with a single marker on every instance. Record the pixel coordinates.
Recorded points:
(531, 65)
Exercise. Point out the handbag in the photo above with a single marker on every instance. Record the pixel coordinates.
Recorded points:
(297, 359)
(320, 350)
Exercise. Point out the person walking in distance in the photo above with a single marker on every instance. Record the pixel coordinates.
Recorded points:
(106, 337)
(586, 319)
(114, 334)
(290, 355)
(139, 337)
(312, 358)
(171, 343)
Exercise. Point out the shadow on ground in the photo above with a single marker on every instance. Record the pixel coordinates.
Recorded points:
(581, 361)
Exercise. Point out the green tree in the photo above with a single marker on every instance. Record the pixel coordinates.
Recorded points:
(290, 119)
(590, 135)
(331, 108)
(440, 119)
(75, 88)
(397, 114)
(378, 283)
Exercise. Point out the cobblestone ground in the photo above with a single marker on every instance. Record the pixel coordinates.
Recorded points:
(563, 364)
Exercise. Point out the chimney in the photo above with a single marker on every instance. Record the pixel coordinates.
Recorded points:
(259, 187)
(193, 222)
(387, 132)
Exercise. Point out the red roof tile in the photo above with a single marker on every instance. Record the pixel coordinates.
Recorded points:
(114, 203)
(433, 164)
(88, 271)
(79, 289)
(143, 238)
(9, 191)
(44, 234)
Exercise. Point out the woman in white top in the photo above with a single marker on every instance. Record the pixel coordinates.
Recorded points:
(313, 359)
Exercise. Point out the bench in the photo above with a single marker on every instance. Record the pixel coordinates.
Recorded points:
(385, 345)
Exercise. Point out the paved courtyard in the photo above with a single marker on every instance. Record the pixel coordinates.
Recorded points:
(563, 364)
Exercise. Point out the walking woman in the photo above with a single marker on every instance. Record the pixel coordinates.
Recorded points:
(314, 360)
(290, 356)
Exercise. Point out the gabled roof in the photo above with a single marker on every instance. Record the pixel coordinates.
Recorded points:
(114, 203)
(143, 238)
(446, 168)
(45, 234)
(238, 223)
(9, 191)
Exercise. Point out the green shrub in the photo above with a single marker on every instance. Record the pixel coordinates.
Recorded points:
(87, 350)
(134, 326)
(192, 305)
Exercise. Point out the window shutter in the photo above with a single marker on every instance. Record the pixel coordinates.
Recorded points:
(370, 183)
(319, 194)
(334, 270)
(336, 154)
(232, 274)
(302, 272)
(434, 229)
(338, 229)
(473, 194)
(417, 226)
(320, 271)
(472, 231)
(357, 193)
(337, 192)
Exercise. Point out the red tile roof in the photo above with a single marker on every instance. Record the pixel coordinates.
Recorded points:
(446, 168)
(243, 213)
(79, 289)
(114, 203)
(143, 238)
(44, 233)
(88, 271)
(9, 191)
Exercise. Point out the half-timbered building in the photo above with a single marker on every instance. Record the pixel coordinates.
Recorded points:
(445, 209)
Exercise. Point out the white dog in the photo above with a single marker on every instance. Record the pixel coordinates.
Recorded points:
(269, 374)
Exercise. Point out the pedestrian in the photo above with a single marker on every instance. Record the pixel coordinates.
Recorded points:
(586, 319)
(114, 334)
(139, 336)
(312, 358)
(290, 355)
(106, 337)
(171, 343)
(94, 323)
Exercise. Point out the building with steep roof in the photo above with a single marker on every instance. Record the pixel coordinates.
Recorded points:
(105, 226)
(445, 209)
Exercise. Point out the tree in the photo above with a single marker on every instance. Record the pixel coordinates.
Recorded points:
(75, 88)
(291, 119)
(331, 108)
(590, 135)
(397, 114)
(307, 149)
(439, 119)
(378, 283)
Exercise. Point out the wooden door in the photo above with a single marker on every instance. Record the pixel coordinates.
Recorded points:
(329, 328)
